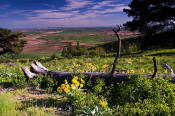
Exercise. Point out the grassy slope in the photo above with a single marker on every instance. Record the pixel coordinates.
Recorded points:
(35, 106)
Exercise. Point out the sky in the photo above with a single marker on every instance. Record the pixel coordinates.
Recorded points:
(62, 13)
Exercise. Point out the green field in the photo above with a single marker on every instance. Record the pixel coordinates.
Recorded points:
(83, 36)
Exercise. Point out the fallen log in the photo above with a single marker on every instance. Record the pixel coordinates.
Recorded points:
(37, 68)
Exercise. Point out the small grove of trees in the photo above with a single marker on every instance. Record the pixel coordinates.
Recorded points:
(155, 19)
(10, 42)
(79, 51)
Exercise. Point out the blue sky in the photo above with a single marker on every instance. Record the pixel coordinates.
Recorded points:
(62, 13)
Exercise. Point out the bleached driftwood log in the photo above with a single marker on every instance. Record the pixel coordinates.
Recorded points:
(37, 68)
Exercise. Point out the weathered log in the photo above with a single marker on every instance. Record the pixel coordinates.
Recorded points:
(28, 74)
(37, 68)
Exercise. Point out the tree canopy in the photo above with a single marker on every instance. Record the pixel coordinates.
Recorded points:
(151, 16)
(10, 42)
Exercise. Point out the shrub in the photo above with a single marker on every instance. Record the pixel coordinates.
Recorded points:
(71, 51)
(99, 51)
(143, 96)
(44, 82)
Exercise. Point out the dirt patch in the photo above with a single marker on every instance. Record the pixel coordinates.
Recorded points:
(31, 43)
(4, 90)
(40, 98)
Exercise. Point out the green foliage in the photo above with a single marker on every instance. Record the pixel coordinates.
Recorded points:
(98, 51)
(79, 51)
(10, 42)
(150, 16)
(140, 96)
(143, 96)
(44, 82)
(74, 51)
(97, 111)
(157, 41)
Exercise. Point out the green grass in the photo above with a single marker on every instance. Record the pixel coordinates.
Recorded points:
(78, 31)
(11, 107)
(35, 55)
(7, 105)
(82, 36)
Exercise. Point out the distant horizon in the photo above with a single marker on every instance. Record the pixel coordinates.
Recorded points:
(60, 27)
(26, 14)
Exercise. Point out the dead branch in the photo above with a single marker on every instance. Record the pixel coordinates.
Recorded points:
(155, 67)
(118, 51)
(170, 70)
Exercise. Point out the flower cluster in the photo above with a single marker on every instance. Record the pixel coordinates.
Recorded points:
(103, 103)
(68, 87)
(105, 66)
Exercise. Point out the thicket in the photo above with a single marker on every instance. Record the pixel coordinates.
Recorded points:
(142, 43)
(77, 50)
(140, 96)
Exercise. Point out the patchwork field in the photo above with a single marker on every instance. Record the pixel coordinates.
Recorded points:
(55, 41)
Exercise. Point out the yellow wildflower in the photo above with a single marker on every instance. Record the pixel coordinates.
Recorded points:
(89, 64)
(103, 103)
(77, 84)
(80, 71)
(104, 66)
(68, 86)
(74, 80)
(63, 86)
(166, 71)
(76, 65)
(132, 71)
(93, 68)
(82, 81)
(127, 71)
(73, 86)
(81, 85)
(66, 82)
(66, 90)
(59, 90)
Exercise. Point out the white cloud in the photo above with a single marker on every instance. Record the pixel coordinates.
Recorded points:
(102, 4)
(111, 10)
(71, 15)
(52, 14)
(76, 4)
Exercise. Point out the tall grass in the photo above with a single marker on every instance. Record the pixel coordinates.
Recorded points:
(7, 106)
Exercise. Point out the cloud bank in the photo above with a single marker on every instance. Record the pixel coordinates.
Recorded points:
(75, 13)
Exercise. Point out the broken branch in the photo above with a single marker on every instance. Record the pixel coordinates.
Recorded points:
(155, 67)
(118, 51)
